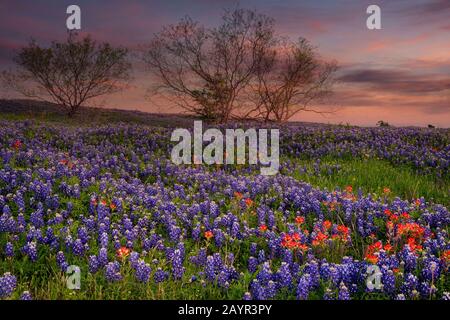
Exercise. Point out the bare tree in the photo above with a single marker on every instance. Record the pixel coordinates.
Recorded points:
(289, 79)
(204, 70)
(69, 73)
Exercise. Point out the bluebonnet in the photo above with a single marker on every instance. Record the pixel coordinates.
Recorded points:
(9, 249)
(284, 276)
(247, 296)
(8, 284)
(102, 257)
(30, 249)
(93, 264)
(210, 270)
(265, 274)
(343, 292)
(78, 247)
(303, 287)
(177, 264)
(143, 271)
(160, 275)
(112, 272)
(61, 261)
(26, 296)
(252, 264)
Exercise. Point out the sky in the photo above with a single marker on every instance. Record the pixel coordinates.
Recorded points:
(399, 74)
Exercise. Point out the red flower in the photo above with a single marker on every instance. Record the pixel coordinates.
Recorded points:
(208, 235)
(389, 225)
(446, 256)
(263, 228)
(238, 195)
(327, 224)
(372, 258)
(387, 247)
(372, 252)
(17, 144)
(123, 252)
(293, 242)
(349, 189)
(249, 202)
(299, 220)
(405, 215)
(413, 245)
(319, 239)
(410, 229)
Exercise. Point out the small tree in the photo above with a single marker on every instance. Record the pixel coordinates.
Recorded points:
(69, 73)
(382, 123)
(290, 78)
(205, 70)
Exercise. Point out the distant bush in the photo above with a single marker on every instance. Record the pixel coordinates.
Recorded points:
(382, 123)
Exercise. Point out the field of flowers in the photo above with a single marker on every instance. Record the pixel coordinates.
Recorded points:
(107, 199)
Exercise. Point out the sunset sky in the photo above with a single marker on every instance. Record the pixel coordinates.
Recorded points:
(400, 74)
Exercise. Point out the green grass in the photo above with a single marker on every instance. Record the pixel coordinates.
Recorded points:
(372, 176)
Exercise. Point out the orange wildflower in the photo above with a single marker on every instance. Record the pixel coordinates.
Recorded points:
(238, 195)
(327, 224)
(208, 235)
(123, 252)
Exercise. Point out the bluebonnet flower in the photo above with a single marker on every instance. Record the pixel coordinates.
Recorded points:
(93, 264)
(61, 261)
(210, 270)
(143, 271)
(9, 249)
(83, 234)
(303, 287)
(284, 276)
(261, 256)
(343, 292)
(112, 272)
(8, 284)
(410, 283)
(26, 296)
(30, 250)
(247, 296)
(134, 258)
(257, 291)
(78, 247)
(388, 281)
(160, 275)
(328, 294)
(102, 257)
(104, 239)
(177, 265)
(252, 264)
(253, 248)
(265, 274)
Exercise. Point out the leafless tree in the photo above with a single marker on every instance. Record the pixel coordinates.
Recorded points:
(290, 78)
(69, 73)
(204, 70)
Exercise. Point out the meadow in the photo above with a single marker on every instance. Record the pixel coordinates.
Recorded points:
(103, 195)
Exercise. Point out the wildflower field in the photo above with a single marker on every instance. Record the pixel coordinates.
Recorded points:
(105, 197)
